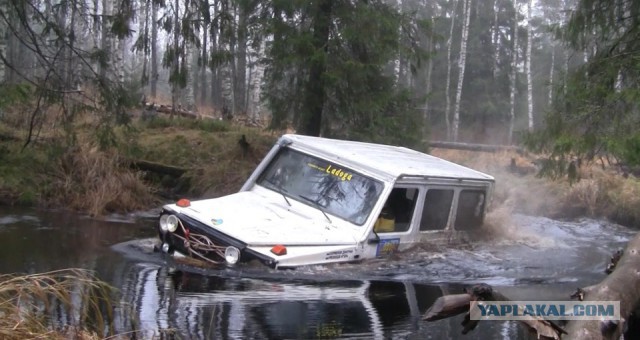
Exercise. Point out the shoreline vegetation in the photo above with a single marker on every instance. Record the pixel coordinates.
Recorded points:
(157, 160)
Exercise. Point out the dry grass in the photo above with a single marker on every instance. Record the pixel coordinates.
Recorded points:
(97, 182)
(217, 164)
(521, 191)
(605, 193)
(26, 303)
(599, 193)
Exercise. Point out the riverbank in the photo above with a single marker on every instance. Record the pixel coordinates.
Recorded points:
(149, 162)
(158, 160)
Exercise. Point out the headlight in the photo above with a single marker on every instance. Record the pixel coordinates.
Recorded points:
(172, 223)
(163, 222)
(232, 255)
(169, 223)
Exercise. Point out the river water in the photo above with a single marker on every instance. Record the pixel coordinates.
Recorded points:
(530, 258)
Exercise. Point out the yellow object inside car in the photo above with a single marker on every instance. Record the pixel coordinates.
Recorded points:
(384, 225)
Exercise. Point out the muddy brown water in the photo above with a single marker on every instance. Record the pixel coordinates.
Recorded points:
(536, 259)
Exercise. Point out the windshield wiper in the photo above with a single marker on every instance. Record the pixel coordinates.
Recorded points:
(282, 191)
(279, 190)
(316, 205)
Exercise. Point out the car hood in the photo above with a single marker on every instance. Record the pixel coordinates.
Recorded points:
(256, 220)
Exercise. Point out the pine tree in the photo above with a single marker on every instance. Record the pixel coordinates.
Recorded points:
(328, 78)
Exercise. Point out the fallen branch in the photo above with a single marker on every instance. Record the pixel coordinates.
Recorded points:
(623, 284)
(158, 168)
(474, 147)
(451, 305)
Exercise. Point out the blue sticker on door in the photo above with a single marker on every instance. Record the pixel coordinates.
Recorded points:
(387, 246)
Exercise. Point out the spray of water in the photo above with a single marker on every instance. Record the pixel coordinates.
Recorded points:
(503, 227)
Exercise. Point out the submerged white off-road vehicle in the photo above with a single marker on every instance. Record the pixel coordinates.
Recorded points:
(316, 200)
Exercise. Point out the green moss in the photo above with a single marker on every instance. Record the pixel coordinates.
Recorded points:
(27, 197)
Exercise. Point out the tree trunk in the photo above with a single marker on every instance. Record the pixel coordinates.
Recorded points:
(70, 69)
(226, 73)
(189, 93)
(621, 285)
(3, 42)
(496, 39)
(145, 49)
(95, 37)
(106, 43)
(461, 67)
(61, 65)
(425, 115)
(512, 75)
(119, 52)
(175, 65)
(529, 80)
(566, 55)
(153, 88)
(241, 61)
(313, 106)
(257, 73)
(215, 97)
(204, 64)
(447, 110)
(551, 73)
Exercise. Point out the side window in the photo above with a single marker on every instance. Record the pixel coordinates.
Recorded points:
(470, 209)
(398, 210)
(437, 205)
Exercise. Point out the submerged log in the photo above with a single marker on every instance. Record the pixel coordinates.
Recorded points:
(448, 306)
(623, 284)
(158, 168)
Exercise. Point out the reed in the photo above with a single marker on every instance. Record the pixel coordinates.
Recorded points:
(27, 303)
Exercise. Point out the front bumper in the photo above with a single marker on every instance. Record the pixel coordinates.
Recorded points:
(196, 239)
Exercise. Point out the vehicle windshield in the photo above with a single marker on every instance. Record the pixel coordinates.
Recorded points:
(324, 185)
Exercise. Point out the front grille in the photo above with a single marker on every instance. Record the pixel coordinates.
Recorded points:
(195, 227)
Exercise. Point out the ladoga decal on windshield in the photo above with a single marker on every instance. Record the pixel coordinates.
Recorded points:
(345, 176)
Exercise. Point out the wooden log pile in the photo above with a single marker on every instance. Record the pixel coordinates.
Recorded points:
(151, 109)
(474, 147)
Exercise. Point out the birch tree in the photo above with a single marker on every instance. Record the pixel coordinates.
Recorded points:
(431, 46)
(153, 45)
(256, 76)
(173, 57)
(598, 111)
(528, 64)
(461, 66)
(241, 58)
(205, 14)
(447, 111)
(495, 39)
(512, 75)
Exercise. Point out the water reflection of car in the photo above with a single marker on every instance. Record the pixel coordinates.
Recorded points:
(263, 308)
(316, 200)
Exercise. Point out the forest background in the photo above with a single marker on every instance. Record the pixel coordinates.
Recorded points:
(557, 76)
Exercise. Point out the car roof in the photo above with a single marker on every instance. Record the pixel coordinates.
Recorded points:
(393, 161)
